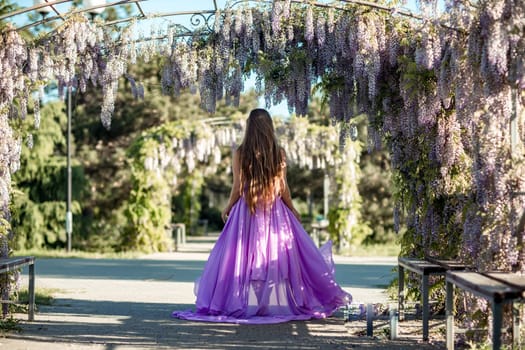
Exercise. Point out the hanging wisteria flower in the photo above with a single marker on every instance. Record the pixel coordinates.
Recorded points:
(320, 31)
(440, 95)
(309, 25)
(108, 106)
(277, 14)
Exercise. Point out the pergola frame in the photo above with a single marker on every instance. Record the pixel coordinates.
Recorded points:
(422, 189)
(206, 15)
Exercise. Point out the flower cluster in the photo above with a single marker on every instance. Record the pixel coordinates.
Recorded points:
(308, 145)
(192, 143)
(456, 183)
(441, 93)
(13, 54)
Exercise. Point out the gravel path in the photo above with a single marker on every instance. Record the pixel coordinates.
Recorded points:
(126, 304)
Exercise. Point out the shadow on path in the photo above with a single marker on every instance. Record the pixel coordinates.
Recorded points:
(347, 275)
(127, 304)
(114, 325)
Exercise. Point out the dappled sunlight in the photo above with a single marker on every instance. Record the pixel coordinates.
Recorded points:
(125, 303)
(76, 318)
(148, 327)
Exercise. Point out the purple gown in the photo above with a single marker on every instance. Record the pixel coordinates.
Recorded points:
(265, 268)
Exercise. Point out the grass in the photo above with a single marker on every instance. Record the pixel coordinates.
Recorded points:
(390, 249)
(43, 296)
(8, 325)
(485, 346)
(62, 254)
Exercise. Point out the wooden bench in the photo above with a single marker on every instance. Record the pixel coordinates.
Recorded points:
(424, 268)
(11, 264)
(496, 287)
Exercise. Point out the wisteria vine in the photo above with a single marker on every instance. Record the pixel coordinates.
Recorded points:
(163, 154)
(441, 93)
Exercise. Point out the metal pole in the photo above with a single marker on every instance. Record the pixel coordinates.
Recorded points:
(449, 307)
(31, 291)
(393, 315)
(326, 188)
(369, 320)
(497, 323)
(516, 325)
(425, 296)
(69, 215)
(401, 293)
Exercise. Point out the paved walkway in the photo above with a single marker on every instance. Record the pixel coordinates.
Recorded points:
(126, 304)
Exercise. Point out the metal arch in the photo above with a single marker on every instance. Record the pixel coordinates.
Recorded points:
(32, 8)
(202, 13)
(78, 10)
(199, 17)
(141, 16)
(61, 15)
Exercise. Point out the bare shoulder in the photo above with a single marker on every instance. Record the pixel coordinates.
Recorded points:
(236, 157)
(237, 153)
(283, 157)
(283, 153)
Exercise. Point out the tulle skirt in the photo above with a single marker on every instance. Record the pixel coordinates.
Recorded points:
(265, 268)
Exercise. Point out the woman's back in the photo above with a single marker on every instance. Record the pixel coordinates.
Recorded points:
(261, 160)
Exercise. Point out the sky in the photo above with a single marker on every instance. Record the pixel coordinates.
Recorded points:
(163, 6)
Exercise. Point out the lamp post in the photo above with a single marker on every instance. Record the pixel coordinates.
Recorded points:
(69, 214)
(326, 190)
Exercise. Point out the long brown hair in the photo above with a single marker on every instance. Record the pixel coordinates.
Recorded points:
(260, 159)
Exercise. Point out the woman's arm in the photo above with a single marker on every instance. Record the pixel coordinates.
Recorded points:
(285, 192)
(235, 192)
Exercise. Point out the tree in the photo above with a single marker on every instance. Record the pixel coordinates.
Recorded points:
(38, 205)
(102, 152)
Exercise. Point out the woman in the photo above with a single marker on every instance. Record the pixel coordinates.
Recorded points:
(264, 267)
